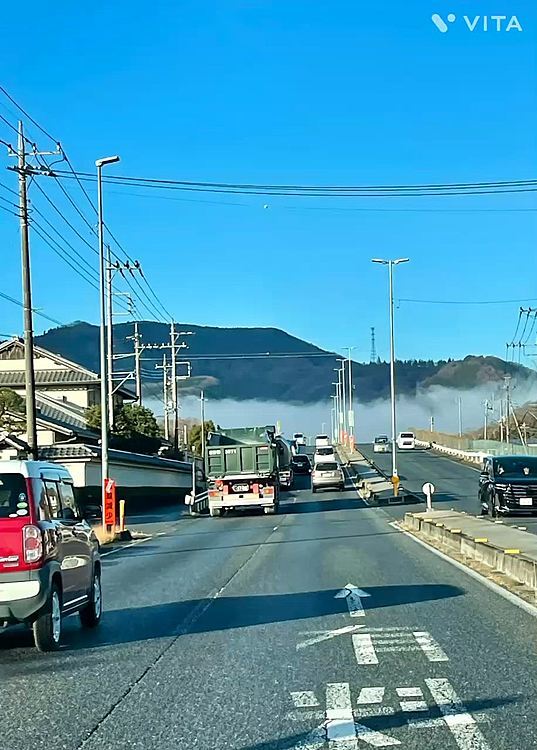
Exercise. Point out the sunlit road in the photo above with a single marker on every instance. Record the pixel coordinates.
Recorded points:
(456, 483)
(320, 628)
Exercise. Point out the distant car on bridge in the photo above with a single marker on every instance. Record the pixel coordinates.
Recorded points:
(406, 441)
(381, 444)
(321, 440)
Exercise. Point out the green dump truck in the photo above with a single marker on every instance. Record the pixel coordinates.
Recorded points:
(242, 466)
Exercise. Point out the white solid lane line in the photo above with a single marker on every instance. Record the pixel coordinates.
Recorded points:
(364, 649)
(462, 724)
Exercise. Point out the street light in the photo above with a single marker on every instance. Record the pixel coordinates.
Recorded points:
(351, 410)
(100, 163)
(391, 264)
(338, 408)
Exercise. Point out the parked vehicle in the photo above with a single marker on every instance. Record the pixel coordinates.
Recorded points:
(299, 439)
(381, 444)
(242, 466)
(301, 464)
(321, 440)
(324, 453)
(327, 474)
(508, 484)
(49, 555)
(406, 441)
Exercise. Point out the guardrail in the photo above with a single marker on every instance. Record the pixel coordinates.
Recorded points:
(474, 457)
(198, 504)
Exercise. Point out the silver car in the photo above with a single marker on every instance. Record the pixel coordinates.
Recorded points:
(327, 474)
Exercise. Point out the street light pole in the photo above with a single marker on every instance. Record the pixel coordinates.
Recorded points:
(100, 163)
(351, 411)
(391, 264)
(343, 399)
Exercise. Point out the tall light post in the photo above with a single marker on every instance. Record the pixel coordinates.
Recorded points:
(343, 397)
(350, 415)
(338, 408)
(100, 163)
(391, 264)
(333, 412)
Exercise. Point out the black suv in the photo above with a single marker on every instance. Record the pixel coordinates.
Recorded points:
(508, 484)
(301, 464)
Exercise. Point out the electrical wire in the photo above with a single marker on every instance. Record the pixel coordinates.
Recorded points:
(28, 116)
(66, 220)
(58, 250)
(466, 302)
(35, 312)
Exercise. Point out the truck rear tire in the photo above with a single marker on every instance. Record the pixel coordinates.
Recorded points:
(269, 510)
(214, 512)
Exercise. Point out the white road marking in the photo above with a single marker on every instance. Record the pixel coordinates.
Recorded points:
(462, 724)
(353, 596)
(126, 546)
(340, 730)
(371, 695)
(364, 649)
(409, 692)
(530, 609)
(375, 739)
(429, 646)
(304, 699)
(410, 706)
(327, 634)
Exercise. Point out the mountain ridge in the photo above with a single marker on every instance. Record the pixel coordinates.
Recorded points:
(232, 363)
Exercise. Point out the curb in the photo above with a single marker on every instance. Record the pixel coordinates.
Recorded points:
(511, 562)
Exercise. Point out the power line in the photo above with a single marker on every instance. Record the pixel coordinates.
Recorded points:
(36, 312)
(66, 220)
(28, 116)
(60, 254)
(466, 302)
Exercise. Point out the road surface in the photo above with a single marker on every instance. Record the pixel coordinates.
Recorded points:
(455, 483)
(322, 628)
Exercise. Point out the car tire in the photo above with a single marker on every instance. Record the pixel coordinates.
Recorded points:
(214, 512)
(492, 507)
(90, 615)
(47, 629)
(313, 489)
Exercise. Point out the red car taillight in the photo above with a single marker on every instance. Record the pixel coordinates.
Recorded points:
(32, 542)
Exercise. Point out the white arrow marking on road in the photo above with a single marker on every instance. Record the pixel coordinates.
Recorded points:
(304, 699)
(325, 635)
(353, 596)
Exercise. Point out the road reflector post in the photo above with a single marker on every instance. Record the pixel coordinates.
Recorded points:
(396, 482)
(122, 515)
(428, 490)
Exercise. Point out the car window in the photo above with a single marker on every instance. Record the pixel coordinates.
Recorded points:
(407, 434)
(67, 497)
(515, 466)
(53, 497)
(326, 466)
(13, 496)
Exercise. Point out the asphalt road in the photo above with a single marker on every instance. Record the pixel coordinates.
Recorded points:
(455, 483)
(241, 633)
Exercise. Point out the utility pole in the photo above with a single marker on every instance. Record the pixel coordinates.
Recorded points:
(432, 423)
(29, 373)
(460, 416)
(138, 364)
(485, 429)
(175, 404)
(202, 407)
(109, 339)
(164, 366)
(507, 379)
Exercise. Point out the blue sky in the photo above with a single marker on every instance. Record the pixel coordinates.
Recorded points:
(290, 92)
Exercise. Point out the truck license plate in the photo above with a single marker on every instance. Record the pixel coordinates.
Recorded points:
(526, 501)
(241, 487)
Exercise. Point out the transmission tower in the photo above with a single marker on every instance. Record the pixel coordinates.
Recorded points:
(373, 357)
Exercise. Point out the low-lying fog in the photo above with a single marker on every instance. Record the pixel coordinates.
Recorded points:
(371, 419)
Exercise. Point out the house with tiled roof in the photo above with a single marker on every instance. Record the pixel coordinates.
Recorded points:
(64, 390)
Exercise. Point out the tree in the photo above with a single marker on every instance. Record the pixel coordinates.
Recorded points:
(133, 420)
(12, 411)
(194, 438)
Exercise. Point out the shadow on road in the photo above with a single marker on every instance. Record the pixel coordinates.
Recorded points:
(173, 619)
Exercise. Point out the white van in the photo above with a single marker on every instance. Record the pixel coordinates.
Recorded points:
(321, 441)
(299, 439)
(406, 441)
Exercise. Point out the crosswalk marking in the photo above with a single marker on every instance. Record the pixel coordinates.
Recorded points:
(364, 648)
(368, 645)
(304, 699)
(371, 695)
(462, 724)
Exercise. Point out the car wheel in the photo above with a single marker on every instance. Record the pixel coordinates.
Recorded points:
(313, 490)
(214, 512)
(47, 629)
(269, 510)
(493, 507)
(90, 615)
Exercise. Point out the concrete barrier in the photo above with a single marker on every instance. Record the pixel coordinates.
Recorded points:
(474, 457)
(512, 562)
